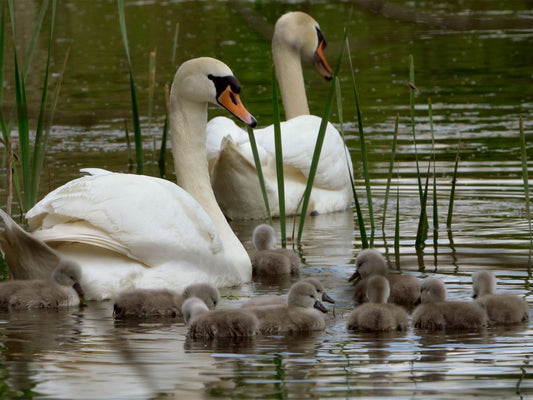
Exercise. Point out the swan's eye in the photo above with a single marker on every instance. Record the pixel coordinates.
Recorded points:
(321, 38)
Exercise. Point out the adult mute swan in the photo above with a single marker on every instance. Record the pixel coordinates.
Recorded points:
(134, 231)
(297, 37)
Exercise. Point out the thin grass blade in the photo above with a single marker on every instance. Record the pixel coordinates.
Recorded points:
(449, 218)
(364, 157)
(360, 218)
(421, 233)
(151, 93)
(175, 44)
(139, 154)
(389, 174)
(320, 137)
(40, 139)
(163, 150)
(259, 169)
(279, 158)
(525, 178)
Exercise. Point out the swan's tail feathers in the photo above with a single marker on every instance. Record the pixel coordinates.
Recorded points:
(26, 256)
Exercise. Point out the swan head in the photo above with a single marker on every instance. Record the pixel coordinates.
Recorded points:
(68, 273)
(483, 283)
(264, 237)
(303, 294)
(432, 290)
(205, 292)
(208, 80)
(298, 31)
(368, 262)
(377, 289)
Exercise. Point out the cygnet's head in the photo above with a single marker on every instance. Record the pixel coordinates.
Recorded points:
(432, 290)
(264, 237)
(320, 289)
(191, 307)
(303, 294)
(204, 291)
(368, 262)
(68, 273)
(377, 289)
(483, 283)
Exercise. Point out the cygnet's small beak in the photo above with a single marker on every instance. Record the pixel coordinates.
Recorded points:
(418, 301)
(355, 277)
(81, 294)
(319, 306)
(326, 298)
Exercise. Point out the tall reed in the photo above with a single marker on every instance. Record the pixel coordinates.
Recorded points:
(31, 155)
(360, 218)
(139, 154)
(364, 158)
(320, 138)
(449, 218)
(525, 178)
(279, 158)
(389, 174)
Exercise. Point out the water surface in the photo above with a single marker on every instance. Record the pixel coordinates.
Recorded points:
(472, 59)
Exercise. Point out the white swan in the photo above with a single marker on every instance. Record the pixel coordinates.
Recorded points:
(297, 38)
(134, 231)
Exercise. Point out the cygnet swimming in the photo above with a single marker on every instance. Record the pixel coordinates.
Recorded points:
(63, 289)
(436, 314)
(140, 303)
(377, 315)
(504, 309)
(404, 289)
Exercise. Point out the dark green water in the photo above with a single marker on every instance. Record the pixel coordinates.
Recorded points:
(473, 59)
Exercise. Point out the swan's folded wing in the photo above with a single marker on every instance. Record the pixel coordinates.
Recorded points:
(219, 128)
(146, 218)
(299, 139)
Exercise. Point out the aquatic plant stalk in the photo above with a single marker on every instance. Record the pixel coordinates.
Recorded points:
(526, 184)
(360, 218)
(364, 157)
(320, 139)
(389, 174)
(139, 155)
(259, 169)
(449, 218)
(279, 158)
(151, 93)
(163, 149)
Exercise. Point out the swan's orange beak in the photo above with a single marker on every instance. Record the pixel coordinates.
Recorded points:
(320, 62)
(232, 102)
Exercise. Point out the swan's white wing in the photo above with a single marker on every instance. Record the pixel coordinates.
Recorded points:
(298, 141)
(149, 219)
(219, 128)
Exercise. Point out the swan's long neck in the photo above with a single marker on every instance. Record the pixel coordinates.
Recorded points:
(290, 77)
(188, 122)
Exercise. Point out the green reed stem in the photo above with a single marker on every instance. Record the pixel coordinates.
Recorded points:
(397, 219)
(452, 190)
(525, 178)
(364, 157)
(139, 155)
(320, 138)
(175, 44)
(163, 150)
(391, 167)
(151, 93)
(40, 138)
(279, 158)
(259, 169)
(360, 218)
(435, 208)
(421, 233)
